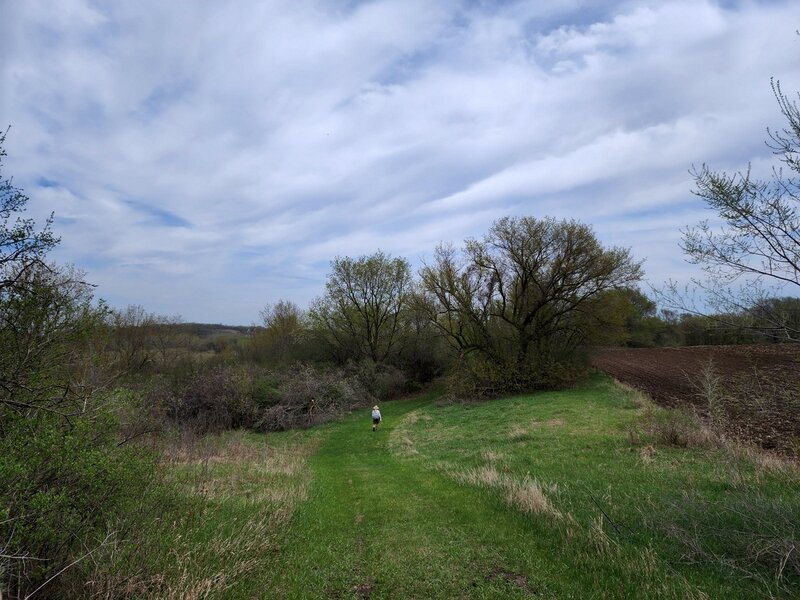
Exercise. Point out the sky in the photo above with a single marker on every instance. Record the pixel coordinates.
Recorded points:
(205, 159)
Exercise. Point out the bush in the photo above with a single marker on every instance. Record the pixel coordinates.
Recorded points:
(264, 390)
(379, 380)
(64, 482)
(475, 378)
(309, 396)
(216, 399)
(675, 427)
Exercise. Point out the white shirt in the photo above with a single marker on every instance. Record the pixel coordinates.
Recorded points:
(376, 414)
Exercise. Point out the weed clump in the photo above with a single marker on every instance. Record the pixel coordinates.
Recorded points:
(747, 533)
(526, 493)
(675, 427)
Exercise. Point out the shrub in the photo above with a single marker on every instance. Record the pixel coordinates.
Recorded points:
(379, 380)
(675, 427)
(216, 399)
(309, 396)
(475, 378)
(64, 482)
(264, 390)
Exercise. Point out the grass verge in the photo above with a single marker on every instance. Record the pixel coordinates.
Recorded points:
(214, 521)
(626, 499)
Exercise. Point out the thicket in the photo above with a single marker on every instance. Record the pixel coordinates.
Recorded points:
(66, 481)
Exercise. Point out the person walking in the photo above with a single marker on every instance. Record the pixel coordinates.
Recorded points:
(376, 417)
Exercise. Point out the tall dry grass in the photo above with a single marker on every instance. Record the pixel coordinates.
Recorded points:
(231, 496)
(525, 494)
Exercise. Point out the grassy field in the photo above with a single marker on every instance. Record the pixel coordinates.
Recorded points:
(558, 495)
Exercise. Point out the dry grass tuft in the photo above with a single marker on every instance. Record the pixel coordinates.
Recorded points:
(483, 477)
(197, 572)
(408, 445)
(518, 432)
(400, 439)
(526, 494)
(213, 470)
(763, 462)
(680, 428)
(647, 453)
(492, 457)
(602, 544)
(258, 473)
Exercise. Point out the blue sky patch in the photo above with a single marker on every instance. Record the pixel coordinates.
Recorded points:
(158, 216)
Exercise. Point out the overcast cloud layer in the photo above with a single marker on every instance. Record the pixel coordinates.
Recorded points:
(204, 159)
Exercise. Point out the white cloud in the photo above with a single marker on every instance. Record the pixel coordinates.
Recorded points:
(212, 158)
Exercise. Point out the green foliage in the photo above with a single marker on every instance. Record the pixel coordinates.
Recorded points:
(773, 319)
(50, 352)
(64, 483)
(626, 317)
(361, 314)
(475, 377)
(265, 390)
(525, 298)
(64, 476)
(284, 337)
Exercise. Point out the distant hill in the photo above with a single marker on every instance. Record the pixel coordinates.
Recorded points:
(208, 330)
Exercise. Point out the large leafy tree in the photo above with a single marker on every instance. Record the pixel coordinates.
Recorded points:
(361, 314)
(526, 294)
(284, 330)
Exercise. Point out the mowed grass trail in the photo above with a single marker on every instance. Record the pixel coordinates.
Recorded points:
(378, 526)
(553, 495)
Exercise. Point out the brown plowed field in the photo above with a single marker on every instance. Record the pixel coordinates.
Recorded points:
(761, 384)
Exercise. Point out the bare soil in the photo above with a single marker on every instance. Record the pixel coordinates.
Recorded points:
(759, 383)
